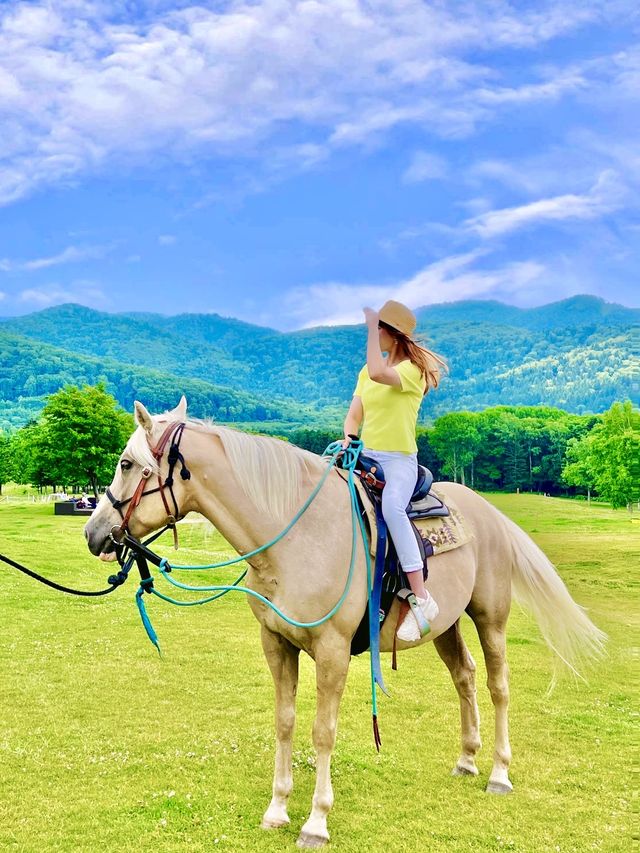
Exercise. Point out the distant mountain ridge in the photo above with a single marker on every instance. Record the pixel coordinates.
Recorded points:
(578, 310)
(580, 354)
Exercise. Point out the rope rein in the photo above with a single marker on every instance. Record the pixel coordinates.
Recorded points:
(131, 550)
(348, 463)
(349, 459)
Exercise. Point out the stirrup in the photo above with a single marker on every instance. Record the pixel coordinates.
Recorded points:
(409, 596)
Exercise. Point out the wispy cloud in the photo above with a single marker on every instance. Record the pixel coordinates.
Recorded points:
(446, 280)
(515, 175)
(604, 197)
(82, 292)
(425, 166)
(85, 85)
(72, 254)
(556, 87)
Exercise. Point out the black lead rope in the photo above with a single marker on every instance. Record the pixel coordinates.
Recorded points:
(114, 580)
(138, 550)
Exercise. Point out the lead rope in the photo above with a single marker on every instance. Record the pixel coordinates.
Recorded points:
(348, 462)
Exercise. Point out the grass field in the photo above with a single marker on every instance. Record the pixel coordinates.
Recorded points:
(105, 747)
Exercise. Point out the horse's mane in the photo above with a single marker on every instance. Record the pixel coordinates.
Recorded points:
(270, 471)
(140, 451)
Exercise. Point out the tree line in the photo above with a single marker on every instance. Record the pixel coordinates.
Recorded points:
(528, 448)
(81, 432)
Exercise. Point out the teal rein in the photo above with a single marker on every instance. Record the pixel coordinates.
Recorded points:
(349, 458)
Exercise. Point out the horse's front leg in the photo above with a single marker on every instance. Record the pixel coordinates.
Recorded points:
(282, 658)
(332, 664)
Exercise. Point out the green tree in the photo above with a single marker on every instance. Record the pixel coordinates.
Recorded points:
(315, 440)
(611, 455)
(5, 460)
(513, 435)
(26, 465)
(579, 470)
(80, 436)
(456, 441)
(426, 454)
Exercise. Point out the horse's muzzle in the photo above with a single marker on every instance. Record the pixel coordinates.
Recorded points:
(99, 544)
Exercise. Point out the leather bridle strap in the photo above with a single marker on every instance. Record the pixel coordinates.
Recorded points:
(135, 499)
(158, 452)
(174, 432)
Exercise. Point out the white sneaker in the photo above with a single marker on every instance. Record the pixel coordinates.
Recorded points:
(409, 631)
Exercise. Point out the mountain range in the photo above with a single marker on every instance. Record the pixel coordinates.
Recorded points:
(579, 354)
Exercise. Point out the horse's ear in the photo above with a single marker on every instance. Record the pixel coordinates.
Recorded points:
(180, 410)
(142, 417)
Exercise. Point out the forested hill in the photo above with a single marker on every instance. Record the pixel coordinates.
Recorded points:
(30, 370)
(580, 355)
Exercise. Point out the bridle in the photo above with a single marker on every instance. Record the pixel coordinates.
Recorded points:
(172, 433)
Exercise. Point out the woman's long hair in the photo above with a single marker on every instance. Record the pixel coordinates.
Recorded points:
(430, 364)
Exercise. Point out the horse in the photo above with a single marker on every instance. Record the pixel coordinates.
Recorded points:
(248, 486)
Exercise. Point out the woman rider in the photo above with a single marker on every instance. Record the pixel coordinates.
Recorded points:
(387, 399)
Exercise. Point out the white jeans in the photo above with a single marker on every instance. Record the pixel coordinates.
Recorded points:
(401, 475)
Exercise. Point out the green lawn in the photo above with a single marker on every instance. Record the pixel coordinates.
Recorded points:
(105, 747)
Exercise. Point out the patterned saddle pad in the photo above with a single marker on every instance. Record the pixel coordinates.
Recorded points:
(447, 533)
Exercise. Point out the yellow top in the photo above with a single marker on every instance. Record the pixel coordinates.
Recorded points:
(391, 411)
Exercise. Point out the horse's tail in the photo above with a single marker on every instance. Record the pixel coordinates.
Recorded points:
(565, 626)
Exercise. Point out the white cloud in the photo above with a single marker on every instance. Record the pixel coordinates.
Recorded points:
(515, 175)
(425, 166)
(81, 292)
(604, 197)
(72, 254)
(167, 239)
(447, 280)
(553, 89)
(83, 85)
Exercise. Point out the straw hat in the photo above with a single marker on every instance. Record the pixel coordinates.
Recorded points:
(398, 316)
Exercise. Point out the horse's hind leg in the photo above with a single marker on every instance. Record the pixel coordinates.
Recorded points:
(454, 652)
(283, 659)
(494, 646)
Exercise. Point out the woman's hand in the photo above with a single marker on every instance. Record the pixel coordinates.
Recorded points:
(371, 317)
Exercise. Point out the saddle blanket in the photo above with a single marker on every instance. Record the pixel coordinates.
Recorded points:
(447, 533)
(444, 534)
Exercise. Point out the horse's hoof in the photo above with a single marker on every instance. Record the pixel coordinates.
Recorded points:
(499, 788)
(310, 842)
(274, 823)
(460, 770)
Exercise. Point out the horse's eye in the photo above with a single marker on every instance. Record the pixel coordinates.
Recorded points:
(125, 464)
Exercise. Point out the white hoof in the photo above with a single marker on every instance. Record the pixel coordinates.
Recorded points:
(275, 818)
(310, 842)
(268, 823)
(464, 770)
(495, 787)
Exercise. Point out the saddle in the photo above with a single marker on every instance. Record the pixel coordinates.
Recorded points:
(389, 580)
(423, 503)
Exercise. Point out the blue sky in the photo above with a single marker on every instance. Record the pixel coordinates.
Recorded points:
(288, 162)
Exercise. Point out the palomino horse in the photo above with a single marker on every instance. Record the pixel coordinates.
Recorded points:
(249, 486)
